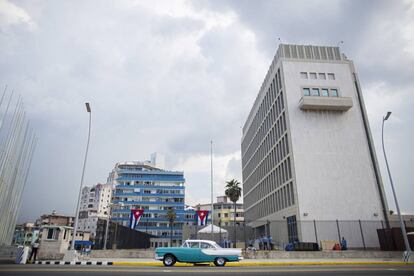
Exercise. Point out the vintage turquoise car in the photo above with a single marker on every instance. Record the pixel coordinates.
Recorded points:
(197, 251)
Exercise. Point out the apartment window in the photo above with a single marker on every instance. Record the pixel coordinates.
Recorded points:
(334, 93)
(331, 76)
(312, 76)
(322, 76)
(315, 91)
(325, 92)
(304, 75)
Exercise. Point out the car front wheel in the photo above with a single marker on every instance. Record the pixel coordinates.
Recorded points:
(220, 261)
(169, 260)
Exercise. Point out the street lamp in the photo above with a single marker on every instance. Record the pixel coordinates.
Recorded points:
(407, 252)
(72, 247)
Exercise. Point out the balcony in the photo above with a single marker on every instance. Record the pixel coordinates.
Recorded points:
(325, 103)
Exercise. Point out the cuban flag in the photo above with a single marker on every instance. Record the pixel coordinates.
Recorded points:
(202, 217)
(134, 217)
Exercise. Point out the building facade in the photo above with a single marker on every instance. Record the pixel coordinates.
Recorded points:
(141, 185)
(307, 151)
(94, 205)
(223, 211)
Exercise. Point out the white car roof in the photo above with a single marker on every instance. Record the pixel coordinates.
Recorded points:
(207, 241)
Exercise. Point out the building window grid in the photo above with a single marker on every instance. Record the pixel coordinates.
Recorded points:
(260, 114)
(284, 140)
(320, 91)
(314, 75)
(259, 148)
(263, 192)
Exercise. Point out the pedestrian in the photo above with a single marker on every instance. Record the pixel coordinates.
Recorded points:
(265, 242)
(270, 240)
(260, 243)
(344, 245)
(35, 247)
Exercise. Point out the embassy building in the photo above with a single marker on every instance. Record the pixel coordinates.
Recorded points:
(307, 150)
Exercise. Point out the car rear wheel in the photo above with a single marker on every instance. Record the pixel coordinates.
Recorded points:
(220, 261)
(169, 260)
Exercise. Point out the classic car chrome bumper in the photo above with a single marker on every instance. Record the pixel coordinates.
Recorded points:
(159, 258)
(241, 258)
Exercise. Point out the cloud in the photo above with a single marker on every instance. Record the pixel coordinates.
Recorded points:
(197, 173)
(10, 15)
(170, 76)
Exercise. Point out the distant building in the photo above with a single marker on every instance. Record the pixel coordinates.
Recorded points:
(141, 185)
(307, 150)
(224, 211)
(94, 204)
(55, 219)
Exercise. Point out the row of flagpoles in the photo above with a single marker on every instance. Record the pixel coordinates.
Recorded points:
(17, 144)
(136, 214)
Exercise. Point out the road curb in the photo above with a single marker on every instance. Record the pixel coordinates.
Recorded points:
(72, 263)
(241, 264)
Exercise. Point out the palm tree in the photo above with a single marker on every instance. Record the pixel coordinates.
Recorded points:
(233, 191)
(171, 218)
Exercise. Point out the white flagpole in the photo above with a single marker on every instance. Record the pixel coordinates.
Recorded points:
(211, 177)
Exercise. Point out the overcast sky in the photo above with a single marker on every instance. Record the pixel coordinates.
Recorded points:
(169, 76)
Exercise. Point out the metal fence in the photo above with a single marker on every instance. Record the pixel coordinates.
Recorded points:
(359, 234)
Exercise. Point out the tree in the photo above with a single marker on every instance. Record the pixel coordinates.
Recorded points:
(233, 191)
(171, 218)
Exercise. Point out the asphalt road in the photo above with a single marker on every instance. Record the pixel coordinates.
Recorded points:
(281, 270)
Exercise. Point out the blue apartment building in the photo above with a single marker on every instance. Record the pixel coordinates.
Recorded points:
(141, 185)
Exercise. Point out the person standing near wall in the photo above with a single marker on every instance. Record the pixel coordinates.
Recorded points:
(35, 247)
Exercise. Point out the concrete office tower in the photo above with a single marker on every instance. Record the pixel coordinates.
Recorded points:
(140, 185)
(307, 151)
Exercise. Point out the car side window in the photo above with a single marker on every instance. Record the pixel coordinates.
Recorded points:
(194, 245)
(205, 245)
(185, 244)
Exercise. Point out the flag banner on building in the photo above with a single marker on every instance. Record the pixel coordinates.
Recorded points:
(134, 217)
(202, 217)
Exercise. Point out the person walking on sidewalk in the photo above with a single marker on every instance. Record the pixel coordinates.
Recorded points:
(35, 247)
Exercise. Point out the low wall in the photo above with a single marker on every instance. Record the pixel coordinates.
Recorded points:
(8, 253)
(350, 254)
(123, 253)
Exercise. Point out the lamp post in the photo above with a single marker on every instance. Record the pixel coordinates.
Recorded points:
(407, 252)
(108, 220)
(72, 247)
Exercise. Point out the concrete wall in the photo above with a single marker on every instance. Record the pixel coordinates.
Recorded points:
(123, 253)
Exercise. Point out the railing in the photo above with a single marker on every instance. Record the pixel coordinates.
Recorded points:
(358, 234)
